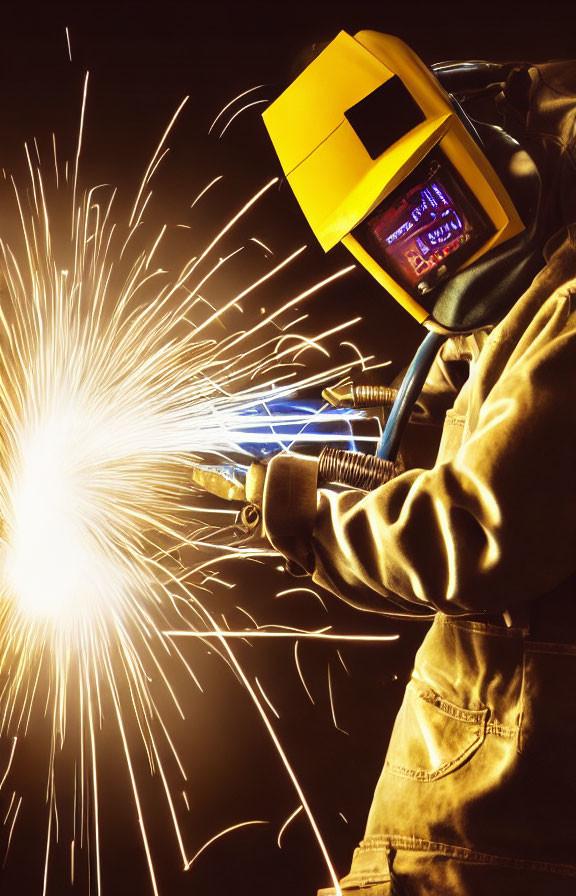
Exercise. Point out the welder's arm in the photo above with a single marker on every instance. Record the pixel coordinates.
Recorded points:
(494, 526)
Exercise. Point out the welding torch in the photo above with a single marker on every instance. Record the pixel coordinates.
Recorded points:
(394, 408)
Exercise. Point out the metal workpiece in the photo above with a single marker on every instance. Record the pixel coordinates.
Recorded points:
(362, 471)
(226, 481)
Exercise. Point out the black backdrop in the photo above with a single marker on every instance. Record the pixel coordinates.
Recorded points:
(143, 58)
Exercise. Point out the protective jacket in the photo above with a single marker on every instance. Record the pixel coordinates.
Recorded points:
(478, 790)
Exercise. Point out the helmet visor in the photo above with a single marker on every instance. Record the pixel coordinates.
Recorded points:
(426, 229)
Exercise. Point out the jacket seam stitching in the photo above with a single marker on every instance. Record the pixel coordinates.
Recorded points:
(425, 775)
(500, 730)
(384, 842)
(483, 628)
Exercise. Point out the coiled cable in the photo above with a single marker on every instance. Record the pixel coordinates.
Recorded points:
(366, 396)
(351, 468)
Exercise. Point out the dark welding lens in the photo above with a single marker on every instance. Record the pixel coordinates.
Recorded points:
(426, 229)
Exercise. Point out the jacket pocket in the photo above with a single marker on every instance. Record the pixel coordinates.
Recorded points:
(432, 737)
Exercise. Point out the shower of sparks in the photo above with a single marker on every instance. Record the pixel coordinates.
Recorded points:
(112, 385)
(297, 634)
(10, 760)
(332, 708)
(205, 189)
(300, 589)
(344, 666)
(231, 103)
(286, 823)
(234, 827)
(299, 668)
(267, 699)
(263, 245)
(239, 112)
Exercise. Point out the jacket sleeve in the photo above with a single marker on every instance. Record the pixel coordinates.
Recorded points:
(490, 528)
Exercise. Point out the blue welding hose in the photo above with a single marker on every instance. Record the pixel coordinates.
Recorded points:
(408, 393)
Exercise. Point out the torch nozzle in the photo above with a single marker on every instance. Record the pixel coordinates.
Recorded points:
(359, 396)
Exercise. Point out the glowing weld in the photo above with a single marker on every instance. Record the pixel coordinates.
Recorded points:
(108, 395)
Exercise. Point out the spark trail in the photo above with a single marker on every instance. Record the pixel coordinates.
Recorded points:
(112, 383)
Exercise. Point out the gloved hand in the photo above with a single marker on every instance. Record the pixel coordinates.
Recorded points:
(294, 500)
(251, 515)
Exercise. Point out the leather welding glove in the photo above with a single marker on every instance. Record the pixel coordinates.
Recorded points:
(252, 515)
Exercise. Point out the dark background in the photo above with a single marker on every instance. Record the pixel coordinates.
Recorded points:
(143, 58)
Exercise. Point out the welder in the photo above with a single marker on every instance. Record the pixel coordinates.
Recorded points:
(470, 225)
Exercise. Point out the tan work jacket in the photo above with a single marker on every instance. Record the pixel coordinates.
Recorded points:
(478, 791)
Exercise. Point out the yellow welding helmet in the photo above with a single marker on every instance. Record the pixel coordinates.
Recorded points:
(380, 159)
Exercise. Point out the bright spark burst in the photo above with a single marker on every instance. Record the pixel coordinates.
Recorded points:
(112, 384)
